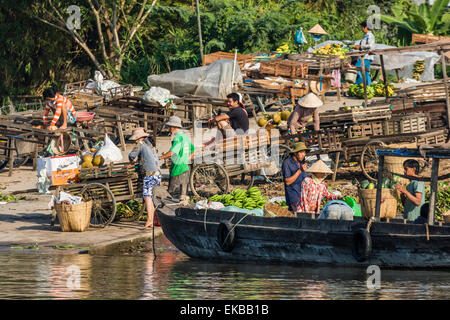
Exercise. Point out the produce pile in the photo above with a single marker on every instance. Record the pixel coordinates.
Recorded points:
(90, 160)
(333, 49)
(374, 90)
(419, 67)
(250, 199)
(286, 47)
(276, 118)
(386, 184)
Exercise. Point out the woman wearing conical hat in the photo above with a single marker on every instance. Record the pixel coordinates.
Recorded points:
(306, 109)
(314, 188)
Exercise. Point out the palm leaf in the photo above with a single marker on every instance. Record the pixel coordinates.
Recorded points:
(438, 11)
(401, 23)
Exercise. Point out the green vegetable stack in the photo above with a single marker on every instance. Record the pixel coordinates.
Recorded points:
(251, 199)
(386, 184)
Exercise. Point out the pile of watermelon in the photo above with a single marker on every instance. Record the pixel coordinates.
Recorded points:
(386, 184)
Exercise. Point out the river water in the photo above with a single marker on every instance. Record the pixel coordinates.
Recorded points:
(172, 275)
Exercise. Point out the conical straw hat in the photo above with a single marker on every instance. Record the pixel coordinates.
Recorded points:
(319, 167)
(317, 29)
(310, 101)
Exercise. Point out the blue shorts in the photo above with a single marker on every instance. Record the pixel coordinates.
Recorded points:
(149, 183)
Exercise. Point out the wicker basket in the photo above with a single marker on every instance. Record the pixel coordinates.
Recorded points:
(275, 210)
(74, 217)
(368, 197)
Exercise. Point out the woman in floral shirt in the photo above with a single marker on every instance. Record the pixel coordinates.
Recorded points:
(314, 188)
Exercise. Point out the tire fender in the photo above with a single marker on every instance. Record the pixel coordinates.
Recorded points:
(361, 245)
(226, 237)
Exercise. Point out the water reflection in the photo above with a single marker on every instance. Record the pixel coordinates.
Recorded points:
(34, 275)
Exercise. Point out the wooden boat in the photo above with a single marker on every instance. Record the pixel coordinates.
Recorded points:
(234, 236)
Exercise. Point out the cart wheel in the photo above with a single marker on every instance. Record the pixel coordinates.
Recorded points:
(209, 179)
(103, 204)
(17, 161)
(369, 159)
(283, 154)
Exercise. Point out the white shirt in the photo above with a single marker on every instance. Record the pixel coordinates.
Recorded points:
(367, 43)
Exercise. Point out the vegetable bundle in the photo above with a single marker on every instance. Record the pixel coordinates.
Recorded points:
(251, 199)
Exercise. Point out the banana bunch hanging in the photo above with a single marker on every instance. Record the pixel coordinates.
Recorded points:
(419, 67)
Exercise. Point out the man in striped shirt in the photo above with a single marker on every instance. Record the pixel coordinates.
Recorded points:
(63, 111)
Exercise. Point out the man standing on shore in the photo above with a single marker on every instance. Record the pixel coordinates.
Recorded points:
(180, 153)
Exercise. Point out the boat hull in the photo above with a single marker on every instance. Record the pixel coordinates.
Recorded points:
(304, 240)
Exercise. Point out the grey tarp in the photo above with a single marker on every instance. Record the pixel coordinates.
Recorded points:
(213, 80)
(403, 61)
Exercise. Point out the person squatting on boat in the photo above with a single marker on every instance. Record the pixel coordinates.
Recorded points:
(293, 169)
(314, 189)
(413, 196)
(231, 123)
(147, 156)
(181, 153)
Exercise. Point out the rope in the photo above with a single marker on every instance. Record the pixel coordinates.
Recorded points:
(204, 221)
(428, 232)
(370, 224)
(234, 226)
(443, 177)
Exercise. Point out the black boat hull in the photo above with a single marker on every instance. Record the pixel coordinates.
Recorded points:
(303, 240)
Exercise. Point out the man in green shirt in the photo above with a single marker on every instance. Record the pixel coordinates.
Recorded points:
(181, 153)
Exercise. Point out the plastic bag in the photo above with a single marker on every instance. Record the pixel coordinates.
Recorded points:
(109, 151)
(205, 204)
(157, 94)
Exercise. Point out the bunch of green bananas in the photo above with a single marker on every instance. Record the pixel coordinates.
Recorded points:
(285, 48)
(357, 90)
(250, 199)
(419, 67)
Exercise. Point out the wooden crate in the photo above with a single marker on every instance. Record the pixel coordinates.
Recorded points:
(109, 171)
(241, 59)
(406, 124)
(365, 129)
(319, 62)
(286, 68)
(354, 115)
(437, 137)
(83, 101)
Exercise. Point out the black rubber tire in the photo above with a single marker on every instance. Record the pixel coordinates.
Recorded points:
(361, 245)
(226, 236)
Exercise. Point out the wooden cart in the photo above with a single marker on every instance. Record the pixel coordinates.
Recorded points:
(233, 160)
(106, 186)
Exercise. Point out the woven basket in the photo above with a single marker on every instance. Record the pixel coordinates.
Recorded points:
(275, 210)
(368, 197)
(74, 217)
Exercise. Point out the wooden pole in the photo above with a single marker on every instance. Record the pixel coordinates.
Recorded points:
(433, 190)
(363, 71)
(199, 30)
(379, 186)
(383, 71)
(445, 77)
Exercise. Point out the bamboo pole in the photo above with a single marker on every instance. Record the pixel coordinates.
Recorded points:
(379, 186)
(199, 30)
(383, 71)
(445, 77)
(433, 190)
(363, 71)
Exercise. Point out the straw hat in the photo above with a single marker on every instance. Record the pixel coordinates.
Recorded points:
(138, 133)
(174, 121)
(310, 101)
(317, 29)
(319, 167)
(299, 146)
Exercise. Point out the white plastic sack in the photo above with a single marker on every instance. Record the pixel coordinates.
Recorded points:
(64, 196)
(205, 204)
(157, 94)
(109, 151)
